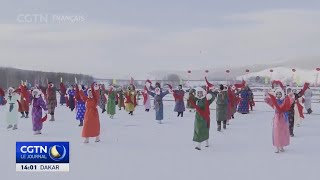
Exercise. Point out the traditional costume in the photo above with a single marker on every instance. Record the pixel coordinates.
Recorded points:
(222, 108)
(71, 94)
(91, 125)
(308, 100)
(158, 96)
(102, 98)
(12, 109)
(38, 105)
(111, 105)
(62, 92)
(281, 104)
(120, 98)
(131, 100)
(243, 106)
(202, 117)
(191, 97)
(81, 106)
(51, 100)
(24, 101)
(2, 95)
(146, 99)
(179, 100)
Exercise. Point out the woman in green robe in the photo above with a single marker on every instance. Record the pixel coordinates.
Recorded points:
(222, 108)
(111, 105)
(202, 117)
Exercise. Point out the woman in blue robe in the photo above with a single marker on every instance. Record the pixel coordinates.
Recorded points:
(243, 106)
(158, 96)
(71, 94)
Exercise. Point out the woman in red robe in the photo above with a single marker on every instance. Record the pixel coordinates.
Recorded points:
(91, 126)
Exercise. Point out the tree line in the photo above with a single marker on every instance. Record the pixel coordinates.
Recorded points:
(11, 77)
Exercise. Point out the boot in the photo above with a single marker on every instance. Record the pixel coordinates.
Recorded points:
(103, 110)
(52, 118)
(181, 114)
(178, 114)
(111, 116)
(15, 127)
(86, 140)
(232, 116)
(27, 115)
(281, 149)
(207, 143)
(97, 139)
(37, 132)
(219, 128)
(198, 147)
(81, 123)
(22, 115)
(9, 126)
(224, 126)
(277, 150)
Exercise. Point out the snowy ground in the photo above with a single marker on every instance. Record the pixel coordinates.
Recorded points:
(138, 148)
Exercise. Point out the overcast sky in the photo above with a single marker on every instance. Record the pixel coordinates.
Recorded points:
(128, 37)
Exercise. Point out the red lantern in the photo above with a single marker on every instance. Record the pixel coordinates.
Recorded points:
(293, 70)
(247, 70)
(189, 71)
(271, 70)
(227, 71)
(207, 71)
(318, 69)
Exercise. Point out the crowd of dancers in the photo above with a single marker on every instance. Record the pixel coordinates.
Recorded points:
(287, 103)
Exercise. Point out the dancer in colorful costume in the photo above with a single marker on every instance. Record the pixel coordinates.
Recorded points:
(12, 109)
(281, 104)
(202, 117)
(91, 125)
(51, 99)
(111, 105)
(38, 105)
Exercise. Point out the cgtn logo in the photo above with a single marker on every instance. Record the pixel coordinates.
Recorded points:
(42, 156)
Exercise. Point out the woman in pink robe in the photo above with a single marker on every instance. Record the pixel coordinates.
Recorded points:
(281, 105)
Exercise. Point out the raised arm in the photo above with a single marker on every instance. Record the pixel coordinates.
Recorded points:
(83, 96)
(43, 104)
(95, 93)
(163, 94)
(267, 100)
(151, 93)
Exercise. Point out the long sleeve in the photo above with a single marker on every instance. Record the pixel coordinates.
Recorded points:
(267, 100)
(151, 93)
(83, 96)
(43, 104)
(163, 94)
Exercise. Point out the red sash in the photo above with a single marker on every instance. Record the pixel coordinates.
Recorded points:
(205, 114)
